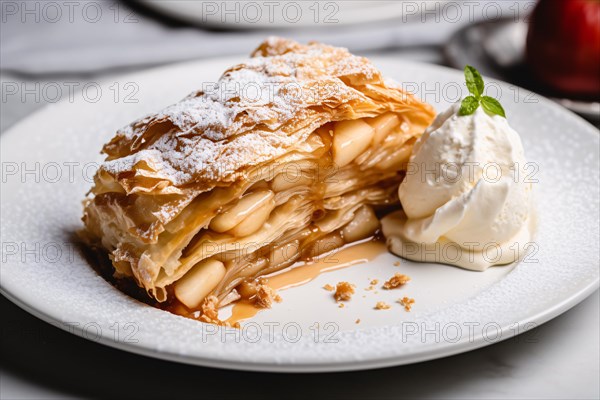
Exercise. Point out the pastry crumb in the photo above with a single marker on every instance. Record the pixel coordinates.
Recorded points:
(374, 281)
(210, 312)
(382, 305)
(407, 302)
(341, 305)
(329, 287)
(265, 296)
(357, 321)
(397, 264)
(209, 307)
(344, 291)
(370, 288)
(396, 281)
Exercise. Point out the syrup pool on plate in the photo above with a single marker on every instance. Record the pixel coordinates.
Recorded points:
(304, 272)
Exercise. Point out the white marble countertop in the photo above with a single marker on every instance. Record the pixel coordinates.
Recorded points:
(558, 360)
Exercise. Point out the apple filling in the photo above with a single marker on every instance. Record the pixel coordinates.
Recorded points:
(311, 201)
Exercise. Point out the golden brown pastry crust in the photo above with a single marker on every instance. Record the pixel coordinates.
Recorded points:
(159, 164)
(225, 132)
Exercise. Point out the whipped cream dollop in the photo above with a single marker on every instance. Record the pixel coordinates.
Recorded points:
(466, 199)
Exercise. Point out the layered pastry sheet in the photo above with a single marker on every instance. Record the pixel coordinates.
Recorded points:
(287, 156)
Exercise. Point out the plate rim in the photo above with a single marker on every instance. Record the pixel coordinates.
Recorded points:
(539, 318)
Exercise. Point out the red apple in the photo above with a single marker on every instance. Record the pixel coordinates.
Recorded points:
(563, 45)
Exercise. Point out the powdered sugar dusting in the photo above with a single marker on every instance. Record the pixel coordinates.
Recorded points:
(239, 119)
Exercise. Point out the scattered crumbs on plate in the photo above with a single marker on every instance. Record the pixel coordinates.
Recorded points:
(266, 295)
(396, 281)
(407, 302)
(344, 291)
(382, 305)
(329, 287)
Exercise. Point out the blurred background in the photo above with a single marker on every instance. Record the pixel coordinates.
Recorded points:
(78, 41)
(48, 49)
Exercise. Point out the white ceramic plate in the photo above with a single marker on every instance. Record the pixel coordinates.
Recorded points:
(455, 310)
(283, 14)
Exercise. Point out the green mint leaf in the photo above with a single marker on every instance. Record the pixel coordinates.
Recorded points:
(492, 106)
(474, 81)
(468, 106)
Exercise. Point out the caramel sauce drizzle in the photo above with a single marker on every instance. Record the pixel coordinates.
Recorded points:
(304, 272)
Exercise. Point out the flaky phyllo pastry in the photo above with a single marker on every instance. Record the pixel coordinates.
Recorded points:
(286, 157)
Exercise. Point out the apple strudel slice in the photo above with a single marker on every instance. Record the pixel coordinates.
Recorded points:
(284, 158)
